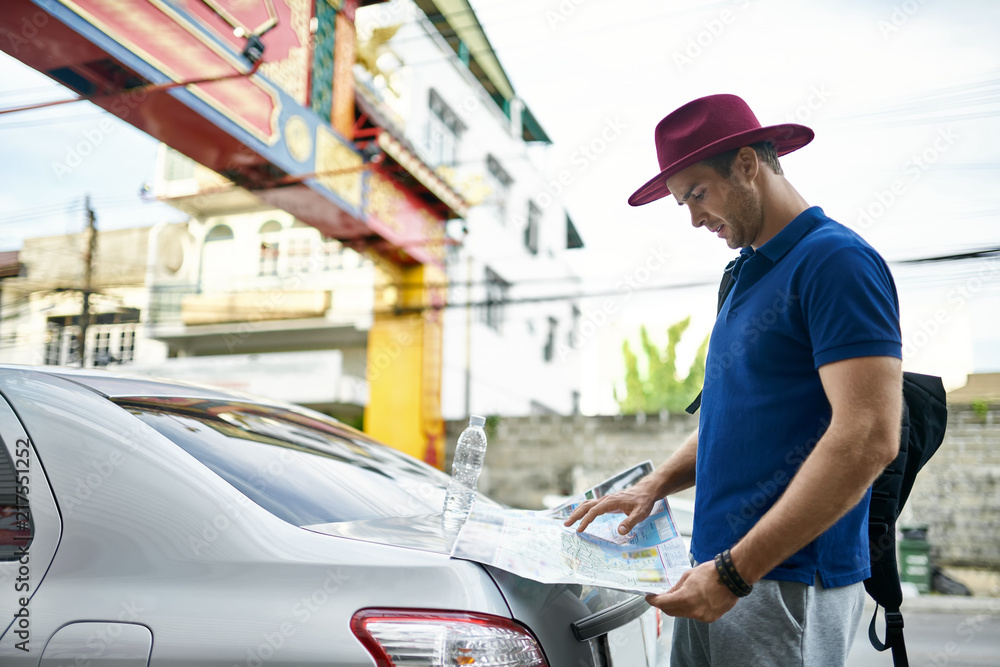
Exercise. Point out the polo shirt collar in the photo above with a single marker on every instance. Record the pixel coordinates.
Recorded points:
(783, 241)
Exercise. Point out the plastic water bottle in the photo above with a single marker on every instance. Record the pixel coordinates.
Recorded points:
(465, 469)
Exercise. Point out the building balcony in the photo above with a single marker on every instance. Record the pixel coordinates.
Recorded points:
(198, 309)
(197, 190)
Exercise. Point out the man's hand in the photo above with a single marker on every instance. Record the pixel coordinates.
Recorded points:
(698, 595)
(636, 502)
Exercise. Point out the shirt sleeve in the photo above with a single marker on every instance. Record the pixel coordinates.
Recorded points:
(851, 308)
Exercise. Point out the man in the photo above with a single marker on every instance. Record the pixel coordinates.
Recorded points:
(800, 409)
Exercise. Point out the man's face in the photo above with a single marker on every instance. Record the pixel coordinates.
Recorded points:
(727, 207)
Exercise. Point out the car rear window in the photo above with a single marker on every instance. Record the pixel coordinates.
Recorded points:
(298, 466)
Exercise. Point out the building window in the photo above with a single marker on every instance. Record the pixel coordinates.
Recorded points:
(219, 233)
(300, 255)
(217, 260)
(531, 228)
(496, 299)
(72, 337)
(573, 239)
(333, 255)
(102, 344)
(572, 338)
(126, 346)
(443, 132)
(270, 233)
(549, 352)
(53, 344)
(110, 338)
(499, 183)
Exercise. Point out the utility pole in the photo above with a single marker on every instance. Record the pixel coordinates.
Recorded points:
(88, 278)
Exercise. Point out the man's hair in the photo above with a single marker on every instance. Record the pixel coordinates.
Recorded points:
(723, 162)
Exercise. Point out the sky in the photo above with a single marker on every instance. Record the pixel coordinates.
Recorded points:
(904, 97)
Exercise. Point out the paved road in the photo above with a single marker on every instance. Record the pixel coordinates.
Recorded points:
(966, 638)
(937, 639)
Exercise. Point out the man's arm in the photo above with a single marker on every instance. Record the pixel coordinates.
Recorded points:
(673, 475)
(866, 396)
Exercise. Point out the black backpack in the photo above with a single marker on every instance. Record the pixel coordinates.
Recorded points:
(925, 418)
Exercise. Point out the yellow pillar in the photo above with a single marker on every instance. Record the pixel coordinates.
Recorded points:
(404, 361)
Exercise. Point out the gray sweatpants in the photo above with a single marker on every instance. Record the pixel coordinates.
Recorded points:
(780, 624)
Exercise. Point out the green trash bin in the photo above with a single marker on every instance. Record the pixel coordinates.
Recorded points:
(915, 558)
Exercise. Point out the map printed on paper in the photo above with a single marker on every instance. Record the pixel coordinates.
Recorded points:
(536, 544)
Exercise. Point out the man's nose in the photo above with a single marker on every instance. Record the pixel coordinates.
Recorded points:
(698, 217)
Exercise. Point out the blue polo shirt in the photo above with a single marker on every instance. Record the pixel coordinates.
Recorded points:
(814, 294)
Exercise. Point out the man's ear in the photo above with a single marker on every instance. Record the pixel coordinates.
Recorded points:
(747, 164)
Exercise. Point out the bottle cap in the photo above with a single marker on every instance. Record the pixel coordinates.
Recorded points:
(476, 420)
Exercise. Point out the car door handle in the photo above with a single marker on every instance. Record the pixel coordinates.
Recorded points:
(606, 620)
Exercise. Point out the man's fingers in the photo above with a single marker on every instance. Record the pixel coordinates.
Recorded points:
(637, 514)
(587, 511)
(589, 518)
(580, 510)
(603, 506)
(629, 522)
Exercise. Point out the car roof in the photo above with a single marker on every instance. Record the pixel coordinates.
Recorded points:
(118, 385)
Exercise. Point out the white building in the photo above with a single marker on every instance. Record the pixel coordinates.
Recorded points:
(439, 85)
(249, 298)
(42, 306)
(246, 296)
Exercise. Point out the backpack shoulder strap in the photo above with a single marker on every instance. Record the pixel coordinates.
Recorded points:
(725, 287)
(893, 636)
(925, 418)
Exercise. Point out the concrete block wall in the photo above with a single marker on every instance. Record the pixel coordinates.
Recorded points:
(957, 494)
(530, 457)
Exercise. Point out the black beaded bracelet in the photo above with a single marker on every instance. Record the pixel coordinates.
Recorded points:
(729, 577)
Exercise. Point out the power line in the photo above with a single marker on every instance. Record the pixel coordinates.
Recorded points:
(71, 207)
(74, 118)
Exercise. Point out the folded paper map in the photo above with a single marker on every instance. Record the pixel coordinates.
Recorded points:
(536, 544)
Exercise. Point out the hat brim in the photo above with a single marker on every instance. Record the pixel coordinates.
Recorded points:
(786, 138)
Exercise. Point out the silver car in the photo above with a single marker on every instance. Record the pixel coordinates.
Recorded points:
(152, 523)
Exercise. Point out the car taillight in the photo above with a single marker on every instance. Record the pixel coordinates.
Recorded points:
(419, 637)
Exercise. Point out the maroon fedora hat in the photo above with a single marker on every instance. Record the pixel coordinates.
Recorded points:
(706, 127)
